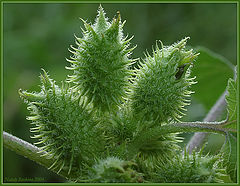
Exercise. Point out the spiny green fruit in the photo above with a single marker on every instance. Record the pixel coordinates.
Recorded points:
(125, 134)
(100, 63)
(115, 170)
(158, 150)
(63, 125)
(163, 82)
(194, 168)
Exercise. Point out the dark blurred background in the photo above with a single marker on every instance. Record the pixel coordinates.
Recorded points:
(38, 35)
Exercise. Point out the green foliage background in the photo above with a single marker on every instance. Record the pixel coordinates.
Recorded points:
(38, 35)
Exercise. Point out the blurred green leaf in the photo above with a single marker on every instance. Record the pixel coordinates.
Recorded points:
(229, 150)
(230, 147)
(212, 72)
(231, 99)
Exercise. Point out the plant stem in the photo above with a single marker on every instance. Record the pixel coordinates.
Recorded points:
(155, 132)
(29, 151)
(199, 137)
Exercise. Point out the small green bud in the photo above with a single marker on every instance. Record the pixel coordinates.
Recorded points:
(115, 170)
(159, 150)
(193, 168)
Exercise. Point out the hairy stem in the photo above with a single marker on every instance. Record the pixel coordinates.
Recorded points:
(214, 127)
(29, 151)
(199, 137)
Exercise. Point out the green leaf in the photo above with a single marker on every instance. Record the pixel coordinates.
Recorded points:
(212, 72)
(231, 99)
(229, 151)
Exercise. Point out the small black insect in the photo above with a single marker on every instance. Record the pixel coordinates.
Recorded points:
(180, 72)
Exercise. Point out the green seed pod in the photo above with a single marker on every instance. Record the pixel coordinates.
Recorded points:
(158, 150)
(193, 168)
(163, 82)
(128, 138)
(100, 63)
(64, 126)
(115, 170)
